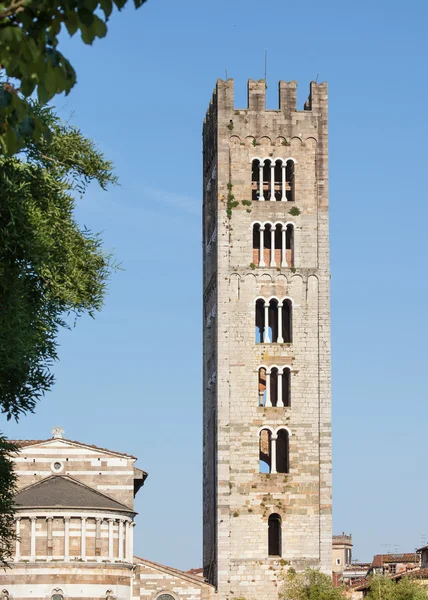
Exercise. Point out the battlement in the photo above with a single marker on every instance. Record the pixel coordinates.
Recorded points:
(287, 92)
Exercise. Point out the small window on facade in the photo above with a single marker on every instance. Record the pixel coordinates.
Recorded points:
(165, 597)
(274, 535)
(110, 595)
(4, 595)
(337, 561)
(57, 596)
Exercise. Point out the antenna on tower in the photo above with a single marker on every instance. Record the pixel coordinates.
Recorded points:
(316, 80)
(265, 68)
(226, 74)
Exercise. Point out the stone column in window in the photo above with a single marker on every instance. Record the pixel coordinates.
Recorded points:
(273, 453)
(66, 538)
(272, 181)
(266, 338)
(268, 393)
(49, 537)
(272, 246)
(18, 540)
(33, 538)
(130, 543)
(83, 539)
(98, 538)
(262, 247)
(261, 195)
(284, 183)
(121, 539)
(284, 247)
(110, 538)
(280, 339)
(279, 387)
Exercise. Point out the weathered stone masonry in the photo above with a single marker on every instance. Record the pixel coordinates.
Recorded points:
(287, 150)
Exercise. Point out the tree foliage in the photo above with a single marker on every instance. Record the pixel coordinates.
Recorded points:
(31, 61)
(384, 588)
(309, 585)
(52, 271)
(50, 267)
(7, 493)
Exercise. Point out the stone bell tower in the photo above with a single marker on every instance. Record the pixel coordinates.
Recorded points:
(267, 421)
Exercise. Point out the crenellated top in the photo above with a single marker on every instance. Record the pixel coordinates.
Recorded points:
(287, 93)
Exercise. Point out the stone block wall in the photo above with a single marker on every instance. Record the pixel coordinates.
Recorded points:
(237, 498)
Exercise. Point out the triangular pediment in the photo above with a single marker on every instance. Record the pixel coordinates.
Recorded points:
(63, 491)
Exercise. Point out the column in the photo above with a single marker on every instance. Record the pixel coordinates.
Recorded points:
(66, 538)
(18, 540)
(130, 546)
(110, 538)
(266, 338)
(121, 539)
(268, 397)
(262, 247)
(83, 539)
(273, 453)
(272, 181)
(284, 247)
(261, 196)
(279, 388)
(280, 339)
(33, 538)
(272, 246)
(98, 539)
(284, 183)
(49, 542)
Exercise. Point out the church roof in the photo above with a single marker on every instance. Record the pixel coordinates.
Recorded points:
(63, 491)
(25, 443)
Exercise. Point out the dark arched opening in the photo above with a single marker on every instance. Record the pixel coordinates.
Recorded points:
(274, 535)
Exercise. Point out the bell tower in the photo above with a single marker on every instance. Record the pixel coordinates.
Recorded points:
(266, 363)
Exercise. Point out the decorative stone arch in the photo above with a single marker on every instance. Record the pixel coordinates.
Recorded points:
(166, 595)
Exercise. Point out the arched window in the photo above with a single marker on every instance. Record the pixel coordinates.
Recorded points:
(289, 246)
(289, 178)
(266, 179)
(282, 451)
(278, 180)
(255, 179)
(265, 451)
(274, 535)
(274, 386)
(260, 320)
(287, 329)
(273, 321)
(57, 595)
(165, 597)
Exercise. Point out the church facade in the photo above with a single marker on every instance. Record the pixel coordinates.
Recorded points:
(267, 407)
(75, 529)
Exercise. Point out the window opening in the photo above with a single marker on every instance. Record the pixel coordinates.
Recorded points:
(262, 387)
(289, 245)
(260, 307)
(274, 386)
(282, 451)
(256, 244)
(165, 597)
(287, 332)
(274, 535)
(266, 179)
(286, 387)
(278, 180)
(289, 177)
(265, 445)
(255, 175)
(273, 320)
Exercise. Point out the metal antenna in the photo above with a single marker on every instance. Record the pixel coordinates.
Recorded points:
(316, 80)
(265, 67)
(226, 73)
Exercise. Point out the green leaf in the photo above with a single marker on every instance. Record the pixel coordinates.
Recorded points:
(86, 16)
(100, 27)
(88, 34)
(27, 86)
(107, 7)
(71, 21)
(138, 3)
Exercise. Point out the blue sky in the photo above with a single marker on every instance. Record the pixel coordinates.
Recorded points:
(131, 379)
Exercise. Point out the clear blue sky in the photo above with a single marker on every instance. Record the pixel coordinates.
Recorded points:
(131, 379)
